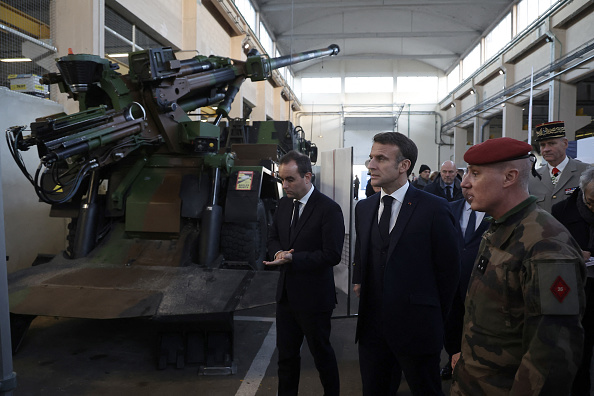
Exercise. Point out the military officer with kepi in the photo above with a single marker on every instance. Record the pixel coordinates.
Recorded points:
(522, 333)
(559, 177)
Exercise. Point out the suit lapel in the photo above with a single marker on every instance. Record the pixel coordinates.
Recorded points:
(406, 210)
(482, 227)
(459, 210)
(285, 213)
(368, 211)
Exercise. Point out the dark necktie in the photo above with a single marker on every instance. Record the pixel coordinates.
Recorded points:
(449, 192)
(384, 223)
(470, 226)
(296, 205)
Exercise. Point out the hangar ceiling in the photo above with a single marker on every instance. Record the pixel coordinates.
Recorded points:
(436, 32)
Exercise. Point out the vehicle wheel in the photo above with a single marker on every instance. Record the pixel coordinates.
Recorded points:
(246, 241)
(70, 237)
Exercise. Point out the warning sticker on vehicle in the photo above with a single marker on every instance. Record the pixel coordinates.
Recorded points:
(244, 180)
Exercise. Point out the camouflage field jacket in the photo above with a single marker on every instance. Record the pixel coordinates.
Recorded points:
(522, 332)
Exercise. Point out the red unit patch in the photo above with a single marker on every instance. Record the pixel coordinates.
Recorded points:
(560, 289)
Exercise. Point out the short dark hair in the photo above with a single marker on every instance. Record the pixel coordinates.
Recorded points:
(408, 148)
(303, 162)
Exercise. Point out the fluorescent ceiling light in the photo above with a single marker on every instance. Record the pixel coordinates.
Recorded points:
(15, 60)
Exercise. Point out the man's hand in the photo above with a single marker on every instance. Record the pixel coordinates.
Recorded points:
(455, 358)
(357, 289)
(586, 255)
(281, 258)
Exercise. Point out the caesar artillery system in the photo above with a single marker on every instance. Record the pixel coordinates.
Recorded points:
(168, 217)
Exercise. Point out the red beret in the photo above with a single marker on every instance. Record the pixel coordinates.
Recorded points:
(497, 150)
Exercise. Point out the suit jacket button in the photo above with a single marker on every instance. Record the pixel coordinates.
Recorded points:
(554, 197)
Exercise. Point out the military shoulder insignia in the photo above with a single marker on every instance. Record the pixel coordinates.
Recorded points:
(560, 289)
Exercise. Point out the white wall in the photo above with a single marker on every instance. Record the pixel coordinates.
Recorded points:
(336, 182)
(585, 150)
(28, 227)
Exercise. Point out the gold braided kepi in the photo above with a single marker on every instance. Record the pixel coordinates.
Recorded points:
(549, 130)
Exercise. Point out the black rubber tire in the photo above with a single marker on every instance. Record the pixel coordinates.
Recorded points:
(70, 237)
(246, 241)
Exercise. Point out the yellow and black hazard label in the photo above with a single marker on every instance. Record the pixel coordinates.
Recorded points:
(244, 180)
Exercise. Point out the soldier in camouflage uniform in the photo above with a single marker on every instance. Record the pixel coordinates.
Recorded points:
(522, 333)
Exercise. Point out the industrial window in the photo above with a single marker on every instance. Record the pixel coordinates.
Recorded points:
(25, 43)
(498, 37)
(320, 85)
(122, 37)
(289, 78)
(530, 10)
(285, 72)
(417, 89)
(266, 40)
(368, 84)
(471, 62)
(248, 12)
(454, 78)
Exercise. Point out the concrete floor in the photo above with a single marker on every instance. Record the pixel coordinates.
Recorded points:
(62, 356)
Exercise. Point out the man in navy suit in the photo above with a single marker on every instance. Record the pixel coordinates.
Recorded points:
(446, 184)
(405, 292)
(305, 239)
(470, 230)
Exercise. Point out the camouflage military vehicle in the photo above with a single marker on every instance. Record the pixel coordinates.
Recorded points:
(169, 215)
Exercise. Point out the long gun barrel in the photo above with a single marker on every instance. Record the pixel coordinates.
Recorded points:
(287, 60)
(256, 68)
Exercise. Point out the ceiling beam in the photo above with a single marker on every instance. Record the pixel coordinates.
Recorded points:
(303, 36)
(287, 6)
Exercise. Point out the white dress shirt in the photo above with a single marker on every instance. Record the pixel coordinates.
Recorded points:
(398, 196)
(304, 200)
(466, 215)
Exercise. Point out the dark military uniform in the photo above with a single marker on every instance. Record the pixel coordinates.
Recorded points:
(522, 331)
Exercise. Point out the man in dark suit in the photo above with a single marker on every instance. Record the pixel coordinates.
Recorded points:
(305, 239)
(576, 213)
(446, 185)
(471, 226)
(405, 292)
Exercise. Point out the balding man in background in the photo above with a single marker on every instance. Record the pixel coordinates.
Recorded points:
(559, 178)
(522, 332)
(446, 185)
